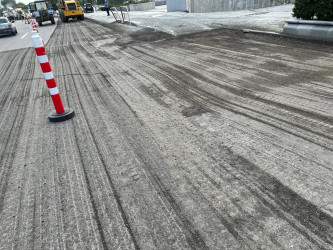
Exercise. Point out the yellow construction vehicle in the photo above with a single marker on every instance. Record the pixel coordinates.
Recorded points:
(70, 9)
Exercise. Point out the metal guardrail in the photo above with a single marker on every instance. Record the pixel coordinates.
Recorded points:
(115, 14)
(120, 18)
(123, 14)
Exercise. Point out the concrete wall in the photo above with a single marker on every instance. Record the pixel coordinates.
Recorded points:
(142, 6)
(203, 6)
(176, 5)
(160, 2)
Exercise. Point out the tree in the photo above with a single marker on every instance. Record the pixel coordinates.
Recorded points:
(21, 5)
(8, 3)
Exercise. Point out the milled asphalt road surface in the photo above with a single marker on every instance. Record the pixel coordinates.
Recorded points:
(219, 140)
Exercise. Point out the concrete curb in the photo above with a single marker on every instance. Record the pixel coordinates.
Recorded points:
(321, 30)
(260, 32)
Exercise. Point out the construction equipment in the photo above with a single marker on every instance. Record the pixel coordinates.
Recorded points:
(20, 13)
(42, 11)
(70, 9)
(9, 14)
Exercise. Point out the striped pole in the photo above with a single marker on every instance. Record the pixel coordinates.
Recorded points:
(122, 14)
(34, 26)
(61, 113)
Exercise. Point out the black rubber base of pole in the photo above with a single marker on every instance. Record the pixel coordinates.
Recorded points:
(68, 114)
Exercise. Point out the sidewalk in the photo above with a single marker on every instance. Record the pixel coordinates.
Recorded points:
(176, 23)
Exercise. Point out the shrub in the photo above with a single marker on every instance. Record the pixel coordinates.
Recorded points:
(324, 10)
(309, 9)
(304, 9)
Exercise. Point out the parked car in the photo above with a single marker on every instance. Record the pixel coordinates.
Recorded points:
(88, 8)
(7, 27)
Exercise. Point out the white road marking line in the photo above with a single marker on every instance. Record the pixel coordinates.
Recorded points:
(24, 35)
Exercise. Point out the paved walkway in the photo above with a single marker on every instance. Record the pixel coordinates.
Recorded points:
(177, 23)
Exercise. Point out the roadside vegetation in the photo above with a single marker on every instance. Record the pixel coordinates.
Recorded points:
(314, 9)
(11, 4)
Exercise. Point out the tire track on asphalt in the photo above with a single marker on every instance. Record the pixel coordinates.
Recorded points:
(164, 192)
(269, 48)
(193, 177)
(111, 108)
(221, 63)
(139, 56)
(218, 103)
(20, 199)
(87, 177)
(16, 118)
(10, 62)
(110, 182)
(83, 165)
(20, 96)
(232, 89)
(268, 89)
(280, 184)
(116, 183)
(8, 59)
(177, 87)
(71, 204)
(91, 194)
(193, 237)
(277, 127)
(276, 197)
(191, 78)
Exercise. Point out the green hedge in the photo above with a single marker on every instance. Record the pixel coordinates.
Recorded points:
(314, 9)
(304, 9)
(324, 10)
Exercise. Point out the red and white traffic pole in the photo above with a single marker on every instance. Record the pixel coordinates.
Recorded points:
(34, 26)
(60, 113)
(122, 14)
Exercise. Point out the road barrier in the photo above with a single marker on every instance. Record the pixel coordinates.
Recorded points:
(33, 25)
(115, 14)
(123, 14)
(60, 113)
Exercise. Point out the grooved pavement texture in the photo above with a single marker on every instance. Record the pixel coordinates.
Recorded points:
(218, 140)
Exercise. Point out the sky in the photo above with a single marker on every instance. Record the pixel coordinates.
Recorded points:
(24, 1)
(21, 1)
